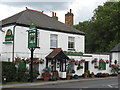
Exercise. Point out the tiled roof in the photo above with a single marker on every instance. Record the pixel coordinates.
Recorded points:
(42, 21)
(116, 48)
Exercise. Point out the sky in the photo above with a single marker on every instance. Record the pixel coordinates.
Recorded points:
(82, 9)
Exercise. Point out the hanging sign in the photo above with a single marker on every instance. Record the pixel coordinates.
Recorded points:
(9, 35)
(73, 53)
(32, 36)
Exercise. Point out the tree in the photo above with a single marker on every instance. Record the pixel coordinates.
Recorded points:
(103, 30)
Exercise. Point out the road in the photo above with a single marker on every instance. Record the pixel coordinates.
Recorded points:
(104, 83)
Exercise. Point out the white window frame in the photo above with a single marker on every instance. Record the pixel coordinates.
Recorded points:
(38, 38)
(53, 41)
(71, 40)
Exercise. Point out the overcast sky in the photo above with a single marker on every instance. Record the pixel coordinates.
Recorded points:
(82, 9)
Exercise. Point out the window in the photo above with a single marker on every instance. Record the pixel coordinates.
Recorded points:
(71, 43)
(53, 41)
(38, 36)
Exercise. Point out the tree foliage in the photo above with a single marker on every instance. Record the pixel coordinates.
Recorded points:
(103, 30)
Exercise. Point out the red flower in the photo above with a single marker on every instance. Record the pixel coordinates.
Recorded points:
(101, 60)
(107, 61)
(113, 65)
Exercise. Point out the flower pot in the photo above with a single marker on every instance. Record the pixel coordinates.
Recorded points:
(92, 75)
(85, 75)
(46, 78)
(68, 77)
(76, 77)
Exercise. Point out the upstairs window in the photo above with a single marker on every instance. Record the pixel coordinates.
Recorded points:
(53, 41)
(71, 43)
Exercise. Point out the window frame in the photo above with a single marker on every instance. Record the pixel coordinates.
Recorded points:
(52, 46)
(71, 42)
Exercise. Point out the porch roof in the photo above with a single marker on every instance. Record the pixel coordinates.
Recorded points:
(57, 53)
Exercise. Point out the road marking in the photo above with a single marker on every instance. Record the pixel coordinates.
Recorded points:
(110, 86)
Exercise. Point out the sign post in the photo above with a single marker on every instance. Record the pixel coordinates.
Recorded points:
(32, 44)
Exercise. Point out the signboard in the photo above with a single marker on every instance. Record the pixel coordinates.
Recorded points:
(9, 35)
(32, 36)
(32, 42)
(73, 53)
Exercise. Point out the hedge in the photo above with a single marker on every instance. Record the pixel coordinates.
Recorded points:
(9, 71)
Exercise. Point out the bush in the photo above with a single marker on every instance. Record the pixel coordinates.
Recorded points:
(23, 75)
(9, 71)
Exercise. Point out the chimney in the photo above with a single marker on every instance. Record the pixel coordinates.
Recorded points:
(69, 18)
(54, 15)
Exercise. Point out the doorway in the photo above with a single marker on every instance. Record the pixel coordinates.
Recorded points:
(86, 66)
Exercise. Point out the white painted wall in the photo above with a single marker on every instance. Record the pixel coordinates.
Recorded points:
(21, 43)
(1, 39)
(98, 56)
(116, 56)
(6, 48)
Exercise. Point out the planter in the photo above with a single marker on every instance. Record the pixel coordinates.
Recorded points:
(53, 78)
(46, 78)
(76, 76)
(92, 75)
(85, 75)
(68, 77)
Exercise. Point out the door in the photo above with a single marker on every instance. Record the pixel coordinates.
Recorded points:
(86, 66)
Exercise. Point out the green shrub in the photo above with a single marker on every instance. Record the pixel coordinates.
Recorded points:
(9, 71)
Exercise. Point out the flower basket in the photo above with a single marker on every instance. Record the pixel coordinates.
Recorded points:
(36, 62)
(96, 67)
(18, 60)
(101, 60)
(79, 67)
(82, 61)
(107, 61)
(28, 60)
(41, 61)
(72, 62)
(76, 62)
(94, 61)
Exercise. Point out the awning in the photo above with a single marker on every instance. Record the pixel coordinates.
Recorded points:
(58, 54)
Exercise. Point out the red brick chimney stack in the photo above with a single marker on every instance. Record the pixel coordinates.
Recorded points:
(55, 13)
(52, 14)
(69, 18)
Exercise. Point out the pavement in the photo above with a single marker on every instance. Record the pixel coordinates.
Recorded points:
(41, 83)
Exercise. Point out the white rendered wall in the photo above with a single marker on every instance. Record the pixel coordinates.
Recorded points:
(116, 56)
(98, 56)
(1, 42)
(6, 48)
(21, 43)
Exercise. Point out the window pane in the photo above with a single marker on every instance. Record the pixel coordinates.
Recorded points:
(53, 41)
(71, 42)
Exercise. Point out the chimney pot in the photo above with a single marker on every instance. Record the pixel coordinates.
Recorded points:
(55, 14)
(52, 14)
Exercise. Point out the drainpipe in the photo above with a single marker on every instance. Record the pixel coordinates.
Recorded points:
(13, 43)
